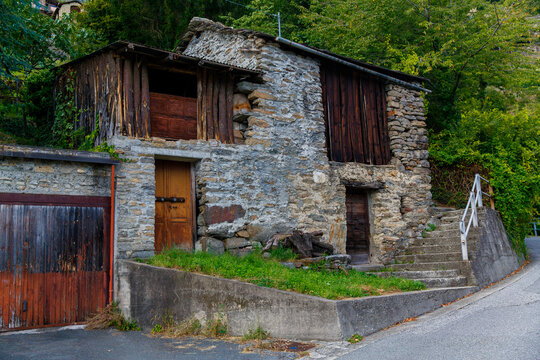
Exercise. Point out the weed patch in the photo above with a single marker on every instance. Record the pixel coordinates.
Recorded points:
(256, 334)
(268, 272)
(168, 327)
(111, 316)
(355, 338)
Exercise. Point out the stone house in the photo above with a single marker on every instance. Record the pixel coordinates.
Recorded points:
(238, 135)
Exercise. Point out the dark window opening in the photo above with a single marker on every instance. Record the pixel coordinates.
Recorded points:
(173, 83)
(355, 116)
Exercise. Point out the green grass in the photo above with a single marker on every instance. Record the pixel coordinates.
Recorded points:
(256, 269)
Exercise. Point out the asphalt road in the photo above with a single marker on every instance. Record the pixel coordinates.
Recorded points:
(77, 343)
(501, 322)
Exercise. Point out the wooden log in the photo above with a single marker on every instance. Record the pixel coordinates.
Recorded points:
(300, 243)
(222, 109)
(119, 126)
(230, 106)
(201, 100)
(491, 199)
(214, 101)
(145, 101)
(137, 122)
(337, 118)
(128, 97)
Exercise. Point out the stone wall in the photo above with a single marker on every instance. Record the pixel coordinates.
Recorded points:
(50, 177)
(299, 187)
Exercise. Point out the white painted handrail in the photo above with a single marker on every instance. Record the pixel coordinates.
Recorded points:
(475, 202)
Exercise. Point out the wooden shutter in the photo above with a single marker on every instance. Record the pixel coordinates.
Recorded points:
(355, 116)
(215, 105)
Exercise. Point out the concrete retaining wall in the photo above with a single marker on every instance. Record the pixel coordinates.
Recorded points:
(148, 292)
(492, 256)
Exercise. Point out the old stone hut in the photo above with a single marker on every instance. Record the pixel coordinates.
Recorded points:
(231, 138)
(237, 135)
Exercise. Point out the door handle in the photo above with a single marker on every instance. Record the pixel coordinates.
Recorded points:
(170, 199)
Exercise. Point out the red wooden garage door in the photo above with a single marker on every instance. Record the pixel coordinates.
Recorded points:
(53, 259)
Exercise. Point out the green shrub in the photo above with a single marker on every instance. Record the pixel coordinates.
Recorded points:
(283, 254)
(505, 145)
(256, 334)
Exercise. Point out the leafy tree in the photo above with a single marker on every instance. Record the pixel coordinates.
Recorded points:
(159, 24)
(31, 45)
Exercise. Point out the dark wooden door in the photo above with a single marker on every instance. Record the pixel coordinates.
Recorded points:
(53, 259)
(357, 222)
(174, 209)
(173, 117)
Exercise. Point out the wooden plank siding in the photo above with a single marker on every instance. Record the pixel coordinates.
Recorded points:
(355, 116)
(115, 90)
(112, 90)
(54, 256)
(215, 105)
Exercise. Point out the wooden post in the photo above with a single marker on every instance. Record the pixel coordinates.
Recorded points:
(128, 97)
(491, 200)
(145, 101)
(137, 123)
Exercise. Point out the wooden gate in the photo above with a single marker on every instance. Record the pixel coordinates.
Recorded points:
(54, 252)
(357, 225)
(174, 205)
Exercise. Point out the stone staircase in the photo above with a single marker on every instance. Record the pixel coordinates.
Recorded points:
(435, 259)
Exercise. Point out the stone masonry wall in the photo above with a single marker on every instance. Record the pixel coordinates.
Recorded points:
(35, 176)
(280, 178)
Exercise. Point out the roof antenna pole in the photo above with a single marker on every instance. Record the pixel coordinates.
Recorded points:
(279, 24)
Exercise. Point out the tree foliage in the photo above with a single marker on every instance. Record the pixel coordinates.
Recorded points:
(160, 24)
(31, 45)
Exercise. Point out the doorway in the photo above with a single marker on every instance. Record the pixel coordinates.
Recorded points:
(174, 206)
(357, 225)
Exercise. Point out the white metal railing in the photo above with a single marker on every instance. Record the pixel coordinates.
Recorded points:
(475, 202)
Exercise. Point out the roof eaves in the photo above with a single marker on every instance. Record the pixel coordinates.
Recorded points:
(127, 47)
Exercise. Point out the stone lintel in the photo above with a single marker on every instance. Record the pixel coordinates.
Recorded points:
(173, 154)
(375, 185)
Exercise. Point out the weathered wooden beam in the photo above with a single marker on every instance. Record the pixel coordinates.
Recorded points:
(128, 98)
(137, 122)
(145, 101)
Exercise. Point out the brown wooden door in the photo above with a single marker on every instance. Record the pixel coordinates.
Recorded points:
(357, 222)
(174, 209)
(53, 259)
(173, 117)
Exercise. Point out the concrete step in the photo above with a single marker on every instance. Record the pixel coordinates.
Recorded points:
(452, 213)
(420, 274)
(430, 258)
(446, 226)
(444, 282)
(441, 233)
(450, 219)
(436, 241)
(431, 249)
(457, 218)
(442, 265)
(367, 267)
